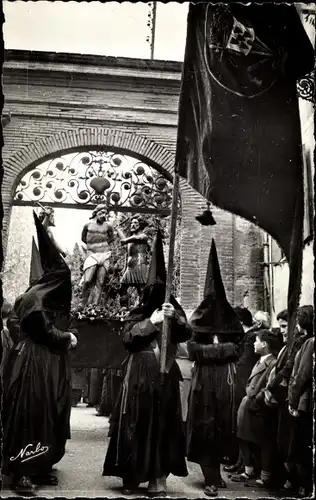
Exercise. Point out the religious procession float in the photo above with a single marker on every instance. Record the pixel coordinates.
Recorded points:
(109, 265)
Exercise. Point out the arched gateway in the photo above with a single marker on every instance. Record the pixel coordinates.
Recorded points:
(61, 103)
(82, 177)
(77, 180)
(83, 139)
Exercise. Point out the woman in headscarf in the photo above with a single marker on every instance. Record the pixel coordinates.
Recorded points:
(214, 348)
(37, 381)
(147, 438)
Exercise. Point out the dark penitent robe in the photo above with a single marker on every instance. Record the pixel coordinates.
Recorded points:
(37, 380)
(148, 439)
(212, 409)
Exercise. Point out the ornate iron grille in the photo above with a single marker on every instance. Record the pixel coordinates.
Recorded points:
(87, 178)
(306, 87)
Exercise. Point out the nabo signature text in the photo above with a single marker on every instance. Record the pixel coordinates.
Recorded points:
(30, 451)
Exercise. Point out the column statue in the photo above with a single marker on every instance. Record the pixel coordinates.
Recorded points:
(98, 237)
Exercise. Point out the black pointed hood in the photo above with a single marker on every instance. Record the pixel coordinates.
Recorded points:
(52, 291)
(155, 288)
(154, 291)
(215, 315)
(36, 270)
(213, 282)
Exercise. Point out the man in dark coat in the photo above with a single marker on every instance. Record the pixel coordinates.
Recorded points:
(300, 402)
(246, 362)
(276, 395)
(37, 382)
(214, 348)
(256, 423)
(147, 437)
(244, 365)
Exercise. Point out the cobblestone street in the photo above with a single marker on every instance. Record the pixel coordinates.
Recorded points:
(80, 470)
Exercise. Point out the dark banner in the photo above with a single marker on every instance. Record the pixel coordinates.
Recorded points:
(239, 137)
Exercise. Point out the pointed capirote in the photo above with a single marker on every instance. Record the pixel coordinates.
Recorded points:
(215, 315)
(51, 292)
(36, 269)
(213, 280)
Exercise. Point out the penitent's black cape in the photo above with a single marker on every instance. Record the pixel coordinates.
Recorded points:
(37, 382)
(212, 411)
(147, 440)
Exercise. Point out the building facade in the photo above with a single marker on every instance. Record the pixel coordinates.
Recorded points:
(278, 269)
(61, 103)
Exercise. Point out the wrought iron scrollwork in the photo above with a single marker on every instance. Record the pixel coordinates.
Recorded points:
(89, 178)
(306, 87)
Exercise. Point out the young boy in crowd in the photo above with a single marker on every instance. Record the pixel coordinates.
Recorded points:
(244, 365)
(256, 423)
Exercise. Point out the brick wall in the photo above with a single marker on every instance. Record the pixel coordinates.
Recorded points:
(60, 103)
(248, 264)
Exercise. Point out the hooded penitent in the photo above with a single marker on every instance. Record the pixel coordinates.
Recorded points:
(215, 315)
(212, 406)
(147, 440)
(52, 291)
(37, 396)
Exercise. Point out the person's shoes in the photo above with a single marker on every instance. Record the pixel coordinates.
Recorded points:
(243, 477)
(211, 491)
(221, 483)
(45, 480)
(303, 492)
(233, 468)
(129, 489)
(288, 486)
(127, 492)
(23, 486)
(157, 487)
(260, 483)
(288, 489)
(240, 470)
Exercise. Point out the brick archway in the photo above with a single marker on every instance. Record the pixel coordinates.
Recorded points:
(39, 151)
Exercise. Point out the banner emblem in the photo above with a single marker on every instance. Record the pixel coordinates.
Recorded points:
(235, 55)
(241, 38)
